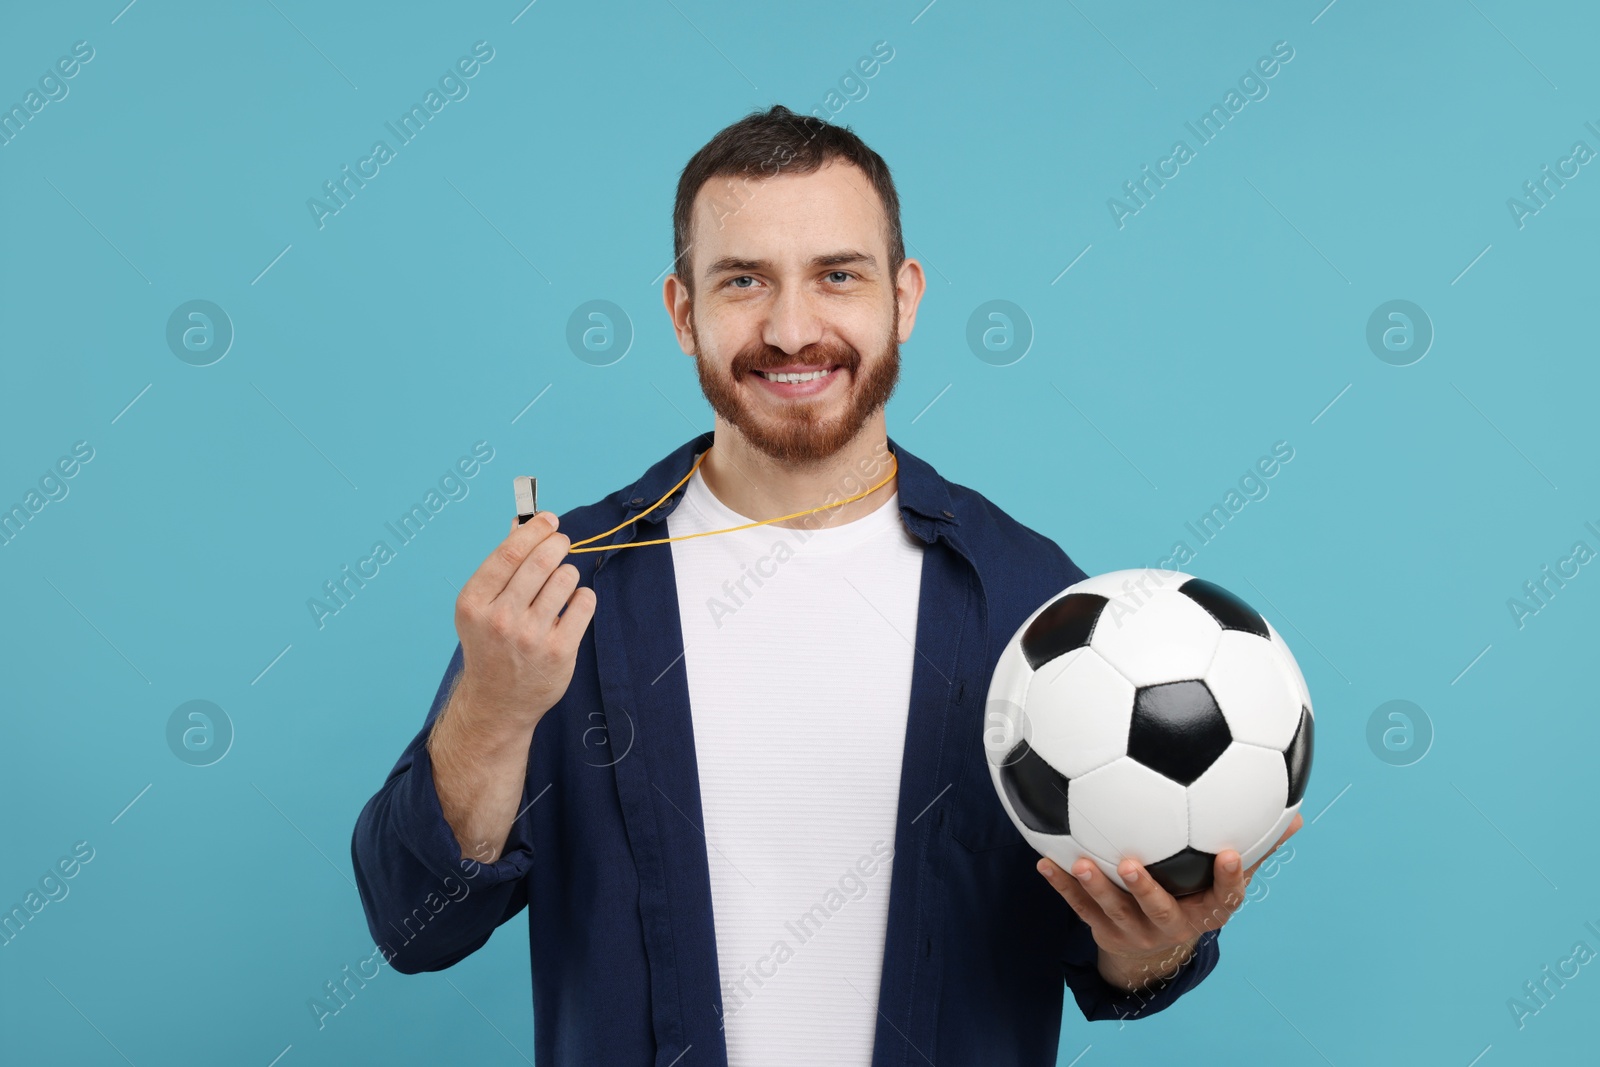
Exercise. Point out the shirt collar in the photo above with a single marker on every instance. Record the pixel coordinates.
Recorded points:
(924, 501)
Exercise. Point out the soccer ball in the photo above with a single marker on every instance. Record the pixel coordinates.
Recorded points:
(1153, 715)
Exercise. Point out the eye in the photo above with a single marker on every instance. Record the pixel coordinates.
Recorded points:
(741, 278)
(839, 277)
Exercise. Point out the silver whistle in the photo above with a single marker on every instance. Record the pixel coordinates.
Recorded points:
(527, 490)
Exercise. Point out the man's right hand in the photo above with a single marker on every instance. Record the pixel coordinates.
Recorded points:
(518, 655)
(518, 651)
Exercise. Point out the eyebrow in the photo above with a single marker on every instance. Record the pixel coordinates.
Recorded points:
(843, 258)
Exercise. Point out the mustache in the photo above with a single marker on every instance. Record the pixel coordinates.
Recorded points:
(761, 356)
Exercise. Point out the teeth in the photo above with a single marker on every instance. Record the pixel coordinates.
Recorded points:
(806, 377)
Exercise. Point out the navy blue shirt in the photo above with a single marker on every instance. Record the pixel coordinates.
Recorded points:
(609, 859)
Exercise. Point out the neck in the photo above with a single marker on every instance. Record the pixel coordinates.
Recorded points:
(752, 483)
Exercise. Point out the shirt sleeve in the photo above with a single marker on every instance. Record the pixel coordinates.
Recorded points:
(427, 906)
(1100, 1000)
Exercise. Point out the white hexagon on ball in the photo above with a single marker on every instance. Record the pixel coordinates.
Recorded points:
(1078, 711)
(1167, 638)
(1294, 665)
(1258, 696)
(1237, 799)
(1248, 857)
(1012, 675)
(1125, 809)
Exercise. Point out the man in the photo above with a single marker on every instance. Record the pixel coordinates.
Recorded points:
(813, 867)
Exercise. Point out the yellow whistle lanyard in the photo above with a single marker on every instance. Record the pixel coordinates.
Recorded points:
(707, 533)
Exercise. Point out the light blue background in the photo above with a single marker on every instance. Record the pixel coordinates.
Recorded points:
(1223, 317)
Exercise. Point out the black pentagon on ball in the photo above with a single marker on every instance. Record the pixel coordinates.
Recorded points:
(1183, 872)
(1298, 757)
(1230, 612)
(1037, 791)
(1177, 730)
(1065, 625)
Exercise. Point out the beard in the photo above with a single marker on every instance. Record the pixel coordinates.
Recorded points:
(800, 432)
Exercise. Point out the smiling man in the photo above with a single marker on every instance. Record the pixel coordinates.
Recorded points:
(747, 809)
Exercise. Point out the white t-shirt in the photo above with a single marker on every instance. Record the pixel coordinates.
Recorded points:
(798, 648)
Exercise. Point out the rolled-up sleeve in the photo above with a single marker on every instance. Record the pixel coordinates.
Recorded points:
(1100, 1000)
(423, 900)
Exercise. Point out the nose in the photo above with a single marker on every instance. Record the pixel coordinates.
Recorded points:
(792, 322)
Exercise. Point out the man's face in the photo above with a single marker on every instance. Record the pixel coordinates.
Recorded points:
(791, 275)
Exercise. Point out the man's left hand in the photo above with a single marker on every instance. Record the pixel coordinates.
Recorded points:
(1147, 932)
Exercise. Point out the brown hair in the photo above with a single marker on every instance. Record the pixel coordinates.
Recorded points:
(777, 141)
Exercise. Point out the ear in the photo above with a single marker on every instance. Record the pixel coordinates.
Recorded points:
(910, 284)
(675, 295)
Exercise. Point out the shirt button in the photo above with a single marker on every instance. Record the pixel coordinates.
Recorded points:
(637, 500)
(949, 514)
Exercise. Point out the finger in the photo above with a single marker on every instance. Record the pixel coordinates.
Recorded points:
(554, 594)
(576, 615)
(533, 572)
(489, 580)
(1226, 895)
(1074, 894)
(1119, 905)
(1228, 883)
(1157, 904)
